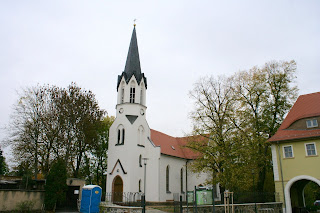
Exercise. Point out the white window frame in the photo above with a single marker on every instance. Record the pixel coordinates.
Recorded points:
(315, 149)
(284, 154)
(312, 124)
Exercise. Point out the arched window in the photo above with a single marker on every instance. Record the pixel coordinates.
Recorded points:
(122, 95)
(119, 136)
(140, 185)
(132, 92)
(181, 180)
(142, 94)
(140, 161)
(141, 136)
(123, 136)
(167, 179)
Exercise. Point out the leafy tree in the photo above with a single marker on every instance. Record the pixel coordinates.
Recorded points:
(3, 164)
(238, 114)
(223, 153)
(56, 185)
(50, 123)
(100, 152)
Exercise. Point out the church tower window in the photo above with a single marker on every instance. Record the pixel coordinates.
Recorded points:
(140, 161)
(140, 185)
(122, 95)
(140, 136)
(167, 179)
(121, 134)
(141, 96)
(132, 92)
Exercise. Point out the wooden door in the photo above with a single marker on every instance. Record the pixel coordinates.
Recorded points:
(117, 189)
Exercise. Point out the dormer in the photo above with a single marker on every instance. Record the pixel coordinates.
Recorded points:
(305, 123)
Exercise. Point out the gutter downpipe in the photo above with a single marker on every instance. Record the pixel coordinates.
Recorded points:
(284, 196)
(159, 180)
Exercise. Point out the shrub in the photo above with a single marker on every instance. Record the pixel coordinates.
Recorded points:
(25, 206)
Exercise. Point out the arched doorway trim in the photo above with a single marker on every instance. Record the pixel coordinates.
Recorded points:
(290, 183)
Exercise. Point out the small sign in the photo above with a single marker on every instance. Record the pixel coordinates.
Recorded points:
(97, 192)
(204, 197)
(76, 192)
(190, 196)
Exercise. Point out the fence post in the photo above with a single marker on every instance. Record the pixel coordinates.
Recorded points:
(195, 199)
(181, 210)
(143, 202)
(213, 207)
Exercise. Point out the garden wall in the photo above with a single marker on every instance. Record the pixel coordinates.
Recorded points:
(10, 199)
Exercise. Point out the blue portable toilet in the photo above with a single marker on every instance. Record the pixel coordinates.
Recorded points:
(90, 199)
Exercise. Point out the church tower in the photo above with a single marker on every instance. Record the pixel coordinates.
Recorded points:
(130, 131)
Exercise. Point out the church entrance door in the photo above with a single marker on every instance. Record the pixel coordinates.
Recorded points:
(117, 189)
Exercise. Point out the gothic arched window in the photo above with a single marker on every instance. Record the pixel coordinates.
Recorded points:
(140, 185)
(121, 135)
(142, 94)
(122, 95)
(132, 92)
(167, 179)
(181, 180)
(141, 136)
(140, 161)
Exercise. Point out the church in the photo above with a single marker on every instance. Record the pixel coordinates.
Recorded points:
(141, 159)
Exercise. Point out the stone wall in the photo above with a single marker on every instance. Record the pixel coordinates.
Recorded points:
(10, 199)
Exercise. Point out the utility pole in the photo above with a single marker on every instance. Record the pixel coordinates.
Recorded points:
(144, 183)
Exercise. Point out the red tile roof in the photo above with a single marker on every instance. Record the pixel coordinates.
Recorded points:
(306, 106)
(173, 146)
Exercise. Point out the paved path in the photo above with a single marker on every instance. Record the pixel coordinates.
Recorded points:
(151, 210)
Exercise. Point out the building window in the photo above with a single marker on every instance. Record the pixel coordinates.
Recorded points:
(167, 179)
(140, 161)
(312, 123)
(181, 180)
(140, 185)
(121, 134)
(132, 94)
(122, 95)
(311, 149)
(141, 136)
(288, 151)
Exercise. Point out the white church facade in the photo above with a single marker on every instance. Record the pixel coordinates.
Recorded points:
(137, 153)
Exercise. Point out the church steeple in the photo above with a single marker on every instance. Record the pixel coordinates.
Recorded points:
(132, 67)
(133, 62)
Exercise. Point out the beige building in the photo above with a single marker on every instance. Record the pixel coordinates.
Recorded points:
(295, 148)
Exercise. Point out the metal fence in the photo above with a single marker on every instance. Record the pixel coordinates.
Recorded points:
(125, 198)
(253, 197)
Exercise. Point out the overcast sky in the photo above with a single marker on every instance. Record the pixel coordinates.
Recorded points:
(59, 42)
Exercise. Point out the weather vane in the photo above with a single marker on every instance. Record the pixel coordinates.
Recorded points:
(134, 22)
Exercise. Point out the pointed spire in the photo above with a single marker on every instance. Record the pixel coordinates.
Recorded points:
(133, 62)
